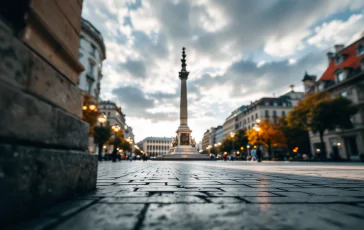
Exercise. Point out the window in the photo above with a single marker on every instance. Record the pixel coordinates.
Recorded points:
(108, 114)
(93, 50)
(275, 104)
(256, 116)
(340, 76)
(89, 86)
(283, 113)
(321, 87)
(274, 113)
(266, 113)
(339, 59)
(91, 68)
(266, 103)
(284, 104)
(360, 49)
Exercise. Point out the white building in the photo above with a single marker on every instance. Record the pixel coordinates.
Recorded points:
(91, 54)
(266, 108)
(156, 146)
(114, 114)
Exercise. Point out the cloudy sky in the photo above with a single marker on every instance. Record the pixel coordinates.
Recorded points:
(237, 52)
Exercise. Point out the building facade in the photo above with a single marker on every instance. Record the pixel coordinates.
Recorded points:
(205, 140)
(219, 134)
(156, 146)
(344, 77)
(114, 114)
(91, 54)
(266, 108)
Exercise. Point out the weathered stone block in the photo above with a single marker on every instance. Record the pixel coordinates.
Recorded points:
(46, 82)
(25, 117)
(14, 59)
(57, 24)
(34, 178)
(71, 131)
(21, 68)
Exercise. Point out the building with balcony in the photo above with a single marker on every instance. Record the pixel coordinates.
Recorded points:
(155, 146)
(91, 55)
(344, 77)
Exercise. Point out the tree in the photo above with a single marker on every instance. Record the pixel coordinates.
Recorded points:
(331, 114)
(239, 139)
(295, 136)
(119, 139)
(101, 136)
(299, 116)
(269, 135)
(88, 115)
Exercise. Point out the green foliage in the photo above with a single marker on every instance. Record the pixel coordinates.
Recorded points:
(299, 116)
(295, 136)
(239, 140)
(331, 114)
(101, 134)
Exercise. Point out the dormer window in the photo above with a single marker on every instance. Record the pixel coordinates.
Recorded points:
(321, 87)
(339, 59)
(360, 49)
(340, 76)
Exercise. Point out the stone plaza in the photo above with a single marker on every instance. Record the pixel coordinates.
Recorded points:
(215, 195)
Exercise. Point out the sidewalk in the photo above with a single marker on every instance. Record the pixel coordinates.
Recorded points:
(219, 195)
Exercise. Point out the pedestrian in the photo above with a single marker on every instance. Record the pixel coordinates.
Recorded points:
(253, 153)
(259, 155)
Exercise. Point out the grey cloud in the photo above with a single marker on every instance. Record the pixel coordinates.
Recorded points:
(136, 103)
(136, 68)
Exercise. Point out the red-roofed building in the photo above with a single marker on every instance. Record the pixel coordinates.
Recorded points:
(344, 76)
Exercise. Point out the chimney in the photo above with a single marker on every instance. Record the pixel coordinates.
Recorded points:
(330, 56)
(339, 47)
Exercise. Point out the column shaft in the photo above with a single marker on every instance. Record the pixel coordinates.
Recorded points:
(183, 104)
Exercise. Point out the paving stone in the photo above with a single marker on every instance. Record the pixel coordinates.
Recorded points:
(153, 199)
(180, 195)
(104, 216)
(246, 216)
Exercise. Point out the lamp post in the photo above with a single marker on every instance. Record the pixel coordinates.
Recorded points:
(101, 119)
(116, 129)
(232, 135)
(257, 128)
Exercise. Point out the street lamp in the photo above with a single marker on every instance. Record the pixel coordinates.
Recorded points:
(232, 135)
(257, 129)
(116, 129)
(101, 119)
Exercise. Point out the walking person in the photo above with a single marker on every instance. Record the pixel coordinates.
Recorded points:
(253, 153)
(259, 155)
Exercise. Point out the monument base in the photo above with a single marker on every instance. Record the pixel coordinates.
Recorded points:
(184, 152)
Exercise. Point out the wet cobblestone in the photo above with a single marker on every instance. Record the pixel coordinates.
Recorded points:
(217, 195)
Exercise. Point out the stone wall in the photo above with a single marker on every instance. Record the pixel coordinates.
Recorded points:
(43, 141)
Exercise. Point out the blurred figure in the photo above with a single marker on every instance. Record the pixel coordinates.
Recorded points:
(253, 153)
(259, 155)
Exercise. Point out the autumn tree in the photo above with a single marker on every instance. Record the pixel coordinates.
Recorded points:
(299, 117)
(330, 115)
(269, 135)
(90, 113)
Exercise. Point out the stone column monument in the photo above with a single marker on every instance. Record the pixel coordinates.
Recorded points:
(184, 148)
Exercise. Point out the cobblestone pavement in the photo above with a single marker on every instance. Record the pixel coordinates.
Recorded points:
(215, 195)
